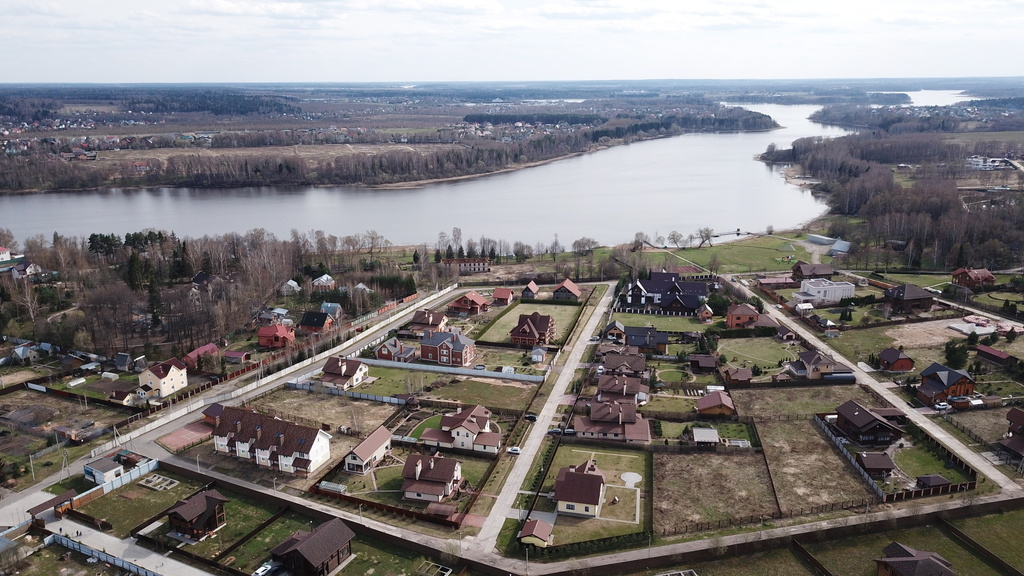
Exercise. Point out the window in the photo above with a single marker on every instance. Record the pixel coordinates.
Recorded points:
(570, 506)
(586, 508)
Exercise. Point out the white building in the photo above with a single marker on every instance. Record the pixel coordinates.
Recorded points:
(818, 291)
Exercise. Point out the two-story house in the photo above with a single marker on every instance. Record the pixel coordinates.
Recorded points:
(162, 380)
(533, 329)
(448, 349)
(468, 429)
(430, 478)
(270, 442)
(940, 383)
(369, 452)
(344, 372)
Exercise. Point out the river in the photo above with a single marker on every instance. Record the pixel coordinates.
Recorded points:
(682, 183)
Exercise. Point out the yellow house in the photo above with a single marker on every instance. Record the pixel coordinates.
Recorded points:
(536, 532)
(579, 490)
(163, 379)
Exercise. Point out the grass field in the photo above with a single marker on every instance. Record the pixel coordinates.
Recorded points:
(779, 562)
(854, 556)
(763, 352)
(129, 505)
(380, 559)
(563, 316)
(243, 515)
(918, 460)
(717, 487)
(989, 424)
(798, 400)
(757, 253)
(806, 469)
(508, 394)
(668, 402)
(257, 549)
(1000, 533)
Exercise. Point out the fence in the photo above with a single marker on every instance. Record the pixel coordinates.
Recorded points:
(853, 460)
(99, 555)
(311, 387)
(450, 370)
(963, 428)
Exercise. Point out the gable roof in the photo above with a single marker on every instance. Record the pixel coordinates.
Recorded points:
(317, 546)
(162, 369)
(433, 469)
(990, 351)
(458, 341)
(533, 325)
(582, 483)
(907, 292)
(372, 443)
(198, 507)
(265, 432)
(625, 362)
(341, 366)
(428, 317)
(903, 560)
(503, 293)
(532, 287)
(620, 384)
(474, 418)
(204, 350)
(612, 412)
(891, 355)
(716, 398)
(312, 319)
(279, 330)
(570, 286)
(742, 309)
(474, 297)
(937, 378)
(860, 417)
(537, 529)
(808, 269)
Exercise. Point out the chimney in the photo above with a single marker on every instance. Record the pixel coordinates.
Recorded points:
(238, 426)
(280, 439)
(419, 468)
(620, 414)
(259, 432)
(431, 463)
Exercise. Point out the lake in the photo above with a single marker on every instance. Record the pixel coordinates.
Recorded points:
(682, 183)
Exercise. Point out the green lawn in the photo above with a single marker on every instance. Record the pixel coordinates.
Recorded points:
(380, 559)
(764, 352)
(78, 483)
(667, 402)
(510, 395)
(751, 254)
(778, 562)
(612, 463)
(257, 549)
(920, 461)
(242, 515)
(432, 422)
(666, 323)
(563, 316)
(129, 505)
(1000, 533)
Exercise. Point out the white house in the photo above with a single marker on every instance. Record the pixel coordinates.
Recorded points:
(103, 470)
(270, 442)
(290, 288)
(818, 291)
(468, 429)
(369, 452)
(344, 372)
(5, 254)
(163, 379)
(324, 283)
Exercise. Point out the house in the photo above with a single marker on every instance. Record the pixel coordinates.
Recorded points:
(626, 364)
(702, 363)
(895, 360)
(315, 322)
(271, 442)
(468, 429)
(737, 375)
(813, 365)
(448, 349)
(25, 269)
(705, 314)
(5, 254)
(579, 490)
(122, 397)
(531, 291)
(193, 358)
(103, 470)
(344, 373)
(939, 383)
(394, 350)
(906, 298)
(332, 309)
(994, 356)
(616, 422)
(25, 354)
(1013, 440)
(536, 532)
(877, 464)
(819, 291)
(567, 290)
(424, 321)
(932, 481)
(746, 316)
(901, 560)
(538, 355)
(198, 516)
(647, 340)
(503, 296)
(533, 329)
(1015, 418)
(369, 452)
(716, 403)
(665, 289)
(615, 331)
(973, 278)
(276, 336)
(233, 357)
(124, 362)
(290, 288)
(315, 553)
(803, 271)
(324, 283)
(467, 265)
(786, 335)
(212, 413)
(471, 302)
(163, 379)
(864, 426)
(621, 389)
(430, 478)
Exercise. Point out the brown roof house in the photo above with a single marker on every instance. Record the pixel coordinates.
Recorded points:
(533, 329)
(802, 271)
(471, 302)
(877, 464)
(369, 452)
(344, 373)
(579, 490)
(276, 336)
(566, 290)
(198, 516)
(621, 389)
(702, 363)
(503, 296)
(939, 383)
(270, 442)
(616, 422)
(717, 402)
(315, 553)
(448, 349)
(627, 364)
(746, 316)
(737, 375)
(536, 532)
(895, 360)
(907, 298)
(973, 278)
(901, 560)
(468, 429)
(430, 478)
(425, 321)
(394, 350)
(1013, 440)
(864, 426)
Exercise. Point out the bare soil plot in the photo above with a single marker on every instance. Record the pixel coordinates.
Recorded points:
(989, 424)
(806, 469)
(803, 400)
(362, 415)
(18, 376)
(923, 334)
(46, 411)
(716, 487)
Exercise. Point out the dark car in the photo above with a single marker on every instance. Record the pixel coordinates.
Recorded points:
(555, 432)
(530, 417)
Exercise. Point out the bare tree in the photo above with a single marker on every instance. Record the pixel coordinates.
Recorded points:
(705, 235)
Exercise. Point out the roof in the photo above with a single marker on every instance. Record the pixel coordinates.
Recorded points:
(458, 341)
(265, 432)
(625, 362)
(341, 366)
(621, 384)
(532, 287)
(891, 355)
(63, 497)
(932, 481)
(807, 269)
(975, 274)
(582, 483)
(876, 460)
(743, 309)
(740, 374)
(715, 399)
(372, 443)
(536, 529)
(645, 337)
(705, 435)
(1016, 417)
(276, 330)
(205, 349)
(903, 560)
(428, 317)
(104, 465)
(859, 416)
(703, 360)
(433, 469)
(214, 410)
(611, 412)
(312, 319)
(937, 378)
(474, 418)
(533, 325)
(319, 545)
(908, 292)
(990, 351)
(162, 369)
(198, 506)
(503, 293)
(570, 286)
(474, 297)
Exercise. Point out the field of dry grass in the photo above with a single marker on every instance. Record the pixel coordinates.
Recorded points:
(810, 400)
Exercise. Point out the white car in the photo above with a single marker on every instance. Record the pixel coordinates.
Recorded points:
(941, 406)
(514, 450)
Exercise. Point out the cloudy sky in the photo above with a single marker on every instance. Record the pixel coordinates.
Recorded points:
(453, 40)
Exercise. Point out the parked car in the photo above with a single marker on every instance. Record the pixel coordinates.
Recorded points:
(480, 367)
(530, 417)
(514, 450)
(570, 432)
(555, 432)
(941, 406)
(263, 570)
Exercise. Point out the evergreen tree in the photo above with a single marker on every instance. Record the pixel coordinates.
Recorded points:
(437, 256)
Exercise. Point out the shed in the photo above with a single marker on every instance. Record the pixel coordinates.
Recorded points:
(705, 436)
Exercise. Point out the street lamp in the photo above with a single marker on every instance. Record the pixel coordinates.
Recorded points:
(361, 519)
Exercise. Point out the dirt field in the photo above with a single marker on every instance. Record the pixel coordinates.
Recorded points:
(806, 400)
(317, 153)
(45, 411)
(989, 424)
(923, 335)
(187, 434)
(716, 487)
(806, 469)
(337, 411)
(19, 376)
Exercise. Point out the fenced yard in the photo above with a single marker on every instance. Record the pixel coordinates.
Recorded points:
(989, 425)
(129, 505)
(802, 400)
(563, 316)
(663, 323)
(256, 550)
(495, 393)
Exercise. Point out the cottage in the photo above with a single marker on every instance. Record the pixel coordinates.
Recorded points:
(906, 298)
(270, 442)
(746, 316)
(813, 365)
(468, 429)
(615, 331)
(467, 265)
(315, 322)
(895, 360)
(290, 288)
(424, 321)
(702, 363)
(448, 349)
(876, 464)
(621, 389)
(939, 383)
(324, 283)
(430, 478)
(626, 364)
(332, 309)
(103, 470)
(344, 373)
(579, 490)
(716, 403)
(276, 336)
(369, 452)
(901, 560)
(864, 426)
(198, 516)
(537, 533)
(665, 289)
(646, 339)
(616, 422)
(193, 358)
(533, 329)
(394, 350)
(163, 379)
(531, 291)
(471, 302)
(315, 553)
(973, 278)
(567, 290)
(503, 296)
(802, 271)
(733, 375)
(819, 292)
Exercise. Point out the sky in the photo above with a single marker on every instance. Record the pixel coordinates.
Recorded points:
(129, 41)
